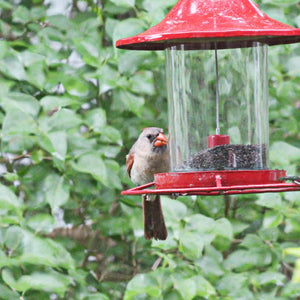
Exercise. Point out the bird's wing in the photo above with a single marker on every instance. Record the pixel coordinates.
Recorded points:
(129, 162)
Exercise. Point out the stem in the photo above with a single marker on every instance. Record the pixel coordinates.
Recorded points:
(227, 205)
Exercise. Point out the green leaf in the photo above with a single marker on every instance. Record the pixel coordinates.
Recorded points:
(151, 5)
(272, 219)
(201, 224)
(221, 243)
(49, 282)
(78, 144)
(124, 3)
(297, 21)
(270, 200)
(296, 274)
(30, 249)
(142, 284)
(48, 34)
(174, 210)
(46, 143)
(110, 134)
(8, 200)
(276, 13)
(97, 296)
(76, 86)
(28, 58)
(293, 197)
(190, 245)
(238, 226)
(22, 102)
(6, 261)
(61, 21)
(252, 241)
(12, 67)
(281, 2)
(143, 82)
(168, 244)
(59, 142)
(11, 176)
(271, 278)
(235, 135)
(293, 65)
(109, 78)
(5, 5)
(204, 287)
(110, 151)
(36, 74)
(291, 290)
(92, 163)
(17, 122)
(113, 177)
(89, 51)
(5, 292)
(13, 238)
(283, 154)
(96, 119)
(5, 86)
(4, 47)
(57, 192)
(41, 223)
(21, 15)
(38, 12)
(186, 287)
(129, 101)
(223, 228)
(62, 120)
(231, 282)
(292, 251)
(242, 260)
(50, 103)
(211, 267)
(269, 234)
(131, 62)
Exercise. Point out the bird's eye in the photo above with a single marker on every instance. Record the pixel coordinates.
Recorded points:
(149, 136)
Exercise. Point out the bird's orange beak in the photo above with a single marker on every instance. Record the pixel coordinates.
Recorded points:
(160, 140)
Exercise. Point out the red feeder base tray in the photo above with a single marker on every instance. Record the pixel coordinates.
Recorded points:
(210, 183)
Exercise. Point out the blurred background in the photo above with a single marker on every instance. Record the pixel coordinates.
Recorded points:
(71, 106)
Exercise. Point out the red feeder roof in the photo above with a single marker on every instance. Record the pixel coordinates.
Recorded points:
(199, 24)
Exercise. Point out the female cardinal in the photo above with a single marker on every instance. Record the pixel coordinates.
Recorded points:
(150, 155)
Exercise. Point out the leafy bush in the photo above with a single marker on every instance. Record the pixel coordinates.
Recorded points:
(71, 107)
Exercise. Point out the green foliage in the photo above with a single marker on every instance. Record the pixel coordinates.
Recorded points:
(294, 252)
(71, 105)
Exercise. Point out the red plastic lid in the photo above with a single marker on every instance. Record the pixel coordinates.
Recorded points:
(199, 24)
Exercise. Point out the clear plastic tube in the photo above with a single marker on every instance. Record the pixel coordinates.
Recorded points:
(243, 107)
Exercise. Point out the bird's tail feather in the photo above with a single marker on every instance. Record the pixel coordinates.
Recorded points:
(154, 223)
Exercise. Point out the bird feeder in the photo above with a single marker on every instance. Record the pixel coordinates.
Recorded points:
(217, 82)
